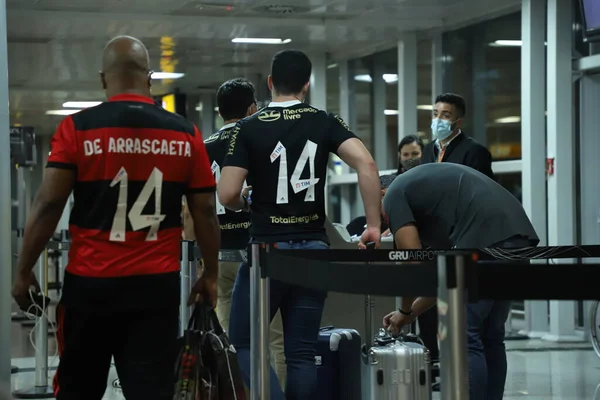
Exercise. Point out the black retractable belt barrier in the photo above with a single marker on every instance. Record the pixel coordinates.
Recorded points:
(496, 280)
(419, 279)
(504, 281)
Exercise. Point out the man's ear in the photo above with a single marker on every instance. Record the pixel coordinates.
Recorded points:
(270, 83)
(252, 110)
(305, 89)
(103, 80)
(458, 123)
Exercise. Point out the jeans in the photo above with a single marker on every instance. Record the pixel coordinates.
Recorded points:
(487, 354)
(227, 274)
(301, 311)
(485, 332)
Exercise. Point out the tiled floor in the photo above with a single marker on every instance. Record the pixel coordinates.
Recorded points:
(537, 370)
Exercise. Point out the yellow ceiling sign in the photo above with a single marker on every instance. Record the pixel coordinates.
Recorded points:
(167, 60)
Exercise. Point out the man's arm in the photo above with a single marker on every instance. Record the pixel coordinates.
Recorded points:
(200, 199)
(206, 228)
(46, 210)
(407, 238)
(354, 153)
(229, 188)
(234, 171)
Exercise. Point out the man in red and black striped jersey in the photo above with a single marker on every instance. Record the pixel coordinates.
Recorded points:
(128, 162)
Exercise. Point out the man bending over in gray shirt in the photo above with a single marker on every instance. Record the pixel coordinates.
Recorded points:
(446, 205)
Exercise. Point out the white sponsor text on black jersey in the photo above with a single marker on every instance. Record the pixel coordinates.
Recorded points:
(285, 148)
(234, 225)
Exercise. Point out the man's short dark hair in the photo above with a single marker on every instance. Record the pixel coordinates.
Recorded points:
(456, 100)
(234, 97)
(290, 71)
(386, 180)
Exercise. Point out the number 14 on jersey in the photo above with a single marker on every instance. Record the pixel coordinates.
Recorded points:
(307, 156)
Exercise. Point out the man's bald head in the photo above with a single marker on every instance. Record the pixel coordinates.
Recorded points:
(125, 53)
(125, 65)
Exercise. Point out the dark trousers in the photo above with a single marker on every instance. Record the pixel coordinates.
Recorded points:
(301, 311)
(142, 342)
(428, 327)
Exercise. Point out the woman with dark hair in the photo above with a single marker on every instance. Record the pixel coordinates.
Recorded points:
(410, 150)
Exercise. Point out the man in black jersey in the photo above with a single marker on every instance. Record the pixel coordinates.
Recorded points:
(283, 152)
(236, 100)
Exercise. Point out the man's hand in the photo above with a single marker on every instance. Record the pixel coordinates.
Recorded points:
(246, 191)
(204, 291)
(394, 321)
(20, 291)
(370, 234)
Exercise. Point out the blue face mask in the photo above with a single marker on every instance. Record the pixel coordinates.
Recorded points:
(441, 129)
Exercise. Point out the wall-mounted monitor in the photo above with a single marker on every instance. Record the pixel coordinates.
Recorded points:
(591, 19)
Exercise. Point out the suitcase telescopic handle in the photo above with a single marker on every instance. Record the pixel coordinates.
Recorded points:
(326, 328)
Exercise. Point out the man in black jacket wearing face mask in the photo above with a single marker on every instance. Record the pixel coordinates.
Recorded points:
(450, 144)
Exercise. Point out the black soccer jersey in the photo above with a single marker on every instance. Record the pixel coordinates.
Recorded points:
(285, 148)
(234, 225)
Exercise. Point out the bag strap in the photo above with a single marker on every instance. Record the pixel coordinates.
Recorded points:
(194, 324)
(205, 319)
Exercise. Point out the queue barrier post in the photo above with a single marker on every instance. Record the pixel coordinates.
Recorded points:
(259, 328)
(452, 326)
(188, 271)
(40, 389)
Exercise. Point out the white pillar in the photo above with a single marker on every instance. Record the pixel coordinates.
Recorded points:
(381, 152)
(437, 66)
(407, 85)
(5, 210)
(318, 82)
(589, 167)
(346, 111)
(533, 140)
(561, 185)
(207, 115)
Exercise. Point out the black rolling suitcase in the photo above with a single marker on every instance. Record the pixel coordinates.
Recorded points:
(338, 363)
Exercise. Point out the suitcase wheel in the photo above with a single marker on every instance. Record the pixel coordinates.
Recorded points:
(380, 377)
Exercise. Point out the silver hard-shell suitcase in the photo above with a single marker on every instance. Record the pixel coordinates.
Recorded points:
(398, 370)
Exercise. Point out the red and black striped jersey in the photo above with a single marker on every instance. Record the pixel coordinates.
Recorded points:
(134, 162)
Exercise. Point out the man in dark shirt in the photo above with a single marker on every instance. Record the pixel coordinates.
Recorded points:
(446, 205)
(450, 144)
(128, 162)
(283, 151)
(236, 100)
